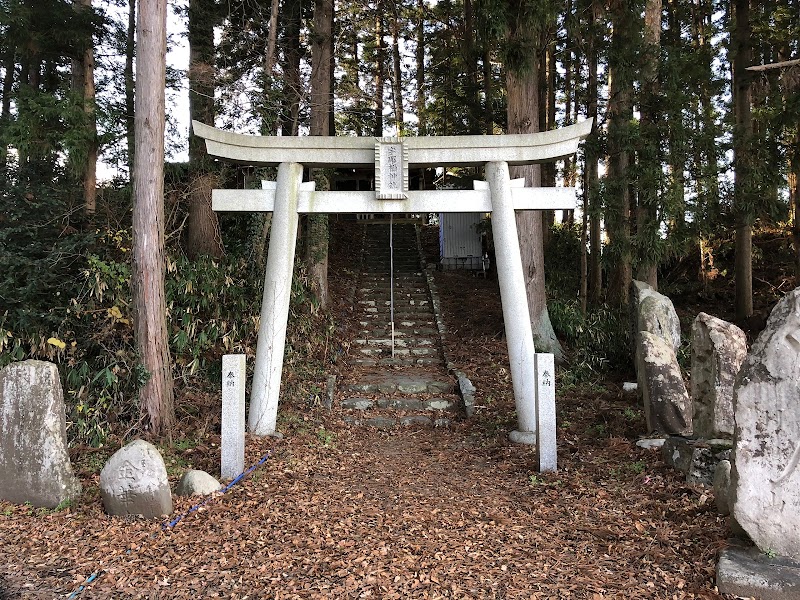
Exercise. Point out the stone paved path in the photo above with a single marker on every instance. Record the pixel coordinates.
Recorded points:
(408, 385)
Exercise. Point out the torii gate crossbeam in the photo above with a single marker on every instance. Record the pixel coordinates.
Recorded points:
(289, 196)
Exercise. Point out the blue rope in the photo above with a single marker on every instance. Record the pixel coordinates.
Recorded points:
(170, 524)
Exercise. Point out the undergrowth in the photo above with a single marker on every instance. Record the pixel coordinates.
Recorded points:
(67, 299)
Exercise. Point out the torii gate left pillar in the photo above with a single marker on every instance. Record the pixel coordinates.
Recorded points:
(262, 419)
(290, 198)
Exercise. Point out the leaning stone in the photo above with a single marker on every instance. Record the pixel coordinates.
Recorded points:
(765, 479)
(667, 407)
(748, 573)
(34, 463)
(197, 483)
(657, 315)
(718, 350)
(467, 391)
(722, 484)
(654, 312)
(134, 482)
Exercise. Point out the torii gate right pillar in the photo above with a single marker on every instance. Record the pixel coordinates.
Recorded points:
(519, 335)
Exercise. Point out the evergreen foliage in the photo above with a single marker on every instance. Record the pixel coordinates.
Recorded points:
(65, 277)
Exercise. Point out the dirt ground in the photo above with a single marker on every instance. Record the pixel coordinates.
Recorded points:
(342, 512)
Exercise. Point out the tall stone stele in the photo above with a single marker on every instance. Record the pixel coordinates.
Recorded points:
(34, 463)
(765, 480)
(718, 350)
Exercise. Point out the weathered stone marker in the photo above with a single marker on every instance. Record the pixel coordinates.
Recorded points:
(34, 464)
(546, 412)
(233, 415)
(392, 158)
(134, 482)
(718, 349)
(765, 480)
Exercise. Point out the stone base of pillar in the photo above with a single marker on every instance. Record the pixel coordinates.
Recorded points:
(523, 437)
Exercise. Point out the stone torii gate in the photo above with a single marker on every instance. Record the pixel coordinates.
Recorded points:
(392, 158)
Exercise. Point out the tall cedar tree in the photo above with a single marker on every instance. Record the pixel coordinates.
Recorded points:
(648, 238)
(525, 22)
(321, 101)
(742, 156)
(150, 311)
(203, 235)
(625, 28)
(84, 88)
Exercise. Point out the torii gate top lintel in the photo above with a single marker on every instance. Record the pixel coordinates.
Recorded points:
(349, 151)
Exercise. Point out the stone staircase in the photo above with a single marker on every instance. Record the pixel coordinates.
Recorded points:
(410, 385)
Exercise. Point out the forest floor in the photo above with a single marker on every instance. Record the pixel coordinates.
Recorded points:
(344, 512)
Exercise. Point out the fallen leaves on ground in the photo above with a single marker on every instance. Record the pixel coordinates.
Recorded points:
(409, 513)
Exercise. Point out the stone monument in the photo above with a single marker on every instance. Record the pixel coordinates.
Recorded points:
(765, 480)
(34, 463)
(718, 349)
(134, 482)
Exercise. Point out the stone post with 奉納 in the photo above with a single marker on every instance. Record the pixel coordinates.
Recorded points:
(233, 415)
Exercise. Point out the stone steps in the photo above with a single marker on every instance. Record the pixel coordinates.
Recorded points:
(399, 361)
(410, 388)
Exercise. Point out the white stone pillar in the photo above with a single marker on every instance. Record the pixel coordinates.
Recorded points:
(275, 303)
(519, 335)
(546, 413)
(233, 416)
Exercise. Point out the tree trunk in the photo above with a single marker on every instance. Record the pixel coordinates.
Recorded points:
(317, 225)
(620, 114)
(397, 78)
(488, 93)
(292, 83)
(5, 116)
(272, 39)
(523, 117)
(647, 226)
(591, 179)
(743, 169)
(420, 56)
(203, 236)
(380, 56)
(83, 87)
(567, 216)
(130, 51)
(156, 395)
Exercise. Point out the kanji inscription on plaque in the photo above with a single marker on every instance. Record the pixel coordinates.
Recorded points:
(391, 169)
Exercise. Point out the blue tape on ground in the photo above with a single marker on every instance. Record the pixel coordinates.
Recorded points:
(170, 524)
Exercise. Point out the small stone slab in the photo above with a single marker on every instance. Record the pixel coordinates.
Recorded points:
(197, 483)
(34, 463)
(697, 458)
(748, 573)
(134, 482)
(722, 487)
(650, 443)
(358, 403)
(546, 412)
